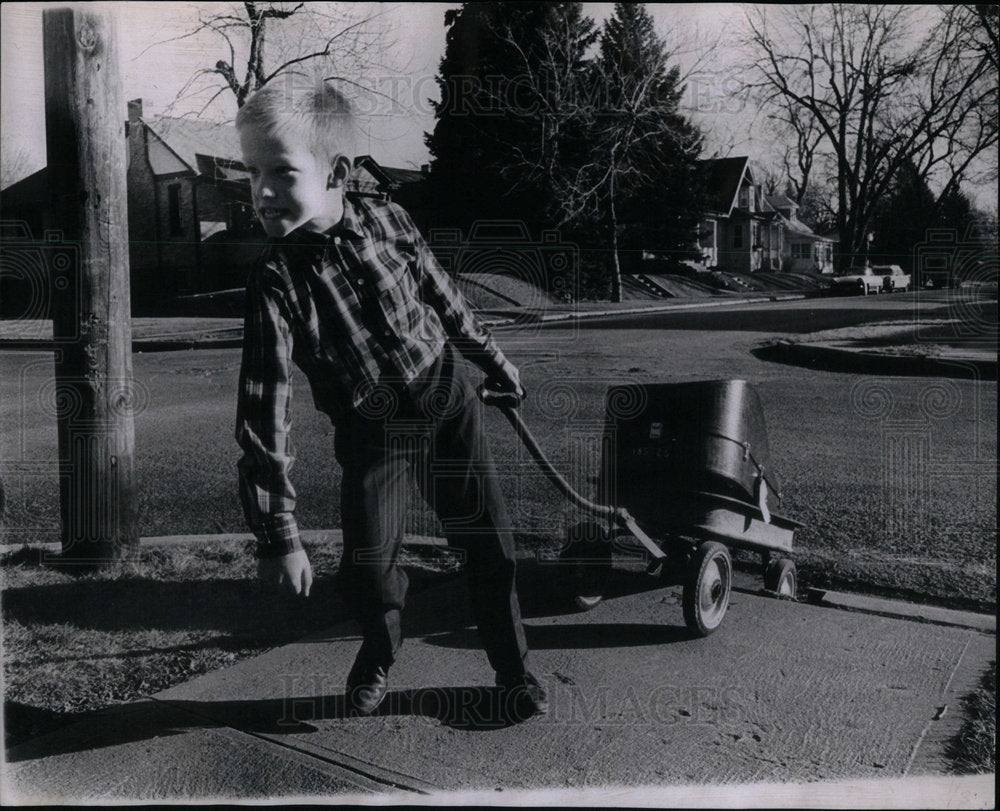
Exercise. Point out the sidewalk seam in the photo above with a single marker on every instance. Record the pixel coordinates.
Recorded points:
(397, 781)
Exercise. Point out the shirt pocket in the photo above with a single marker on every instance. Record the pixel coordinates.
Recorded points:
(397, 292)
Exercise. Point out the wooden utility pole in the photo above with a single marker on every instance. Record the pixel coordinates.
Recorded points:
(94, 390)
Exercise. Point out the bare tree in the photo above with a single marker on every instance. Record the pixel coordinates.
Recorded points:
(800, 153)
(261, 41)
(878, 96)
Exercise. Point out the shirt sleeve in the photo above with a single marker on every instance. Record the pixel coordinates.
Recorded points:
(263, 422)
(439, 291)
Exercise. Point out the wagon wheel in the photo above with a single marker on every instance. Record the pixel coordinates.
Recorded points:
(706, 590)
(781, 578)
(588, 554)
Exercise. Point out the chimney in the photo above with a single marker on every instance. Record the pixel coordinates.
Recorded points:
(134, 111)
(425, 168)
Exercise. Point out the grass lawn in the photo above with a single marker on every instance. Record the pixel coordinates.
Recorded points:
(974, 749)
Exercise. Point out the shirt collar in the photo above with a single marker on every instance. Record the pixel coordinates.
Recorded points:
(350, 226)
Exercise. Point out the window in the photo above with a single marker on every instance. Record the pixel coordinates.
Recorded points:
(241, 217)
(801, 250)
(174, 209)
(737, 235)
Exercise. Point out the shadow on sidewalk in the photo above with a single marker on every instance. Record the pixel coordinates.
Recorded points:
(470, 708)
(245, 610)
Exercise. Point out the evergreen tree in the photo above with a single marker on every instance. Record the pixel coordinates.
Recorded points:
(904, 217)
(954, 210)
(643, 150)
(499, 124)
(901, 219)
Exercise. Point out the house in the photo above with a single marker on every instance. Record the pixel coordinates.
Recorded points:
(744, 230)
(191, 223)
(740, 232)
(408, 187)
(805, 250)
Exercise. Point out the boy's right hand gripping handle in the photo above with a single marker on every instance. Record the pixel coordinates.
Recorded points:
(500, 399)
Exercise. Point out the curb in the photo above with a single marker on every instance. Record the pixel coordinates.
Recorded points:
(138, 345)
(987, 623)
(514, 318)
(307, 535)
(842, 359)
(533, 318)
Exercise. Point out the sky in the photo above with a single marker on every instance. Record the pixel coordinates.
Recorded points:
(155, 65)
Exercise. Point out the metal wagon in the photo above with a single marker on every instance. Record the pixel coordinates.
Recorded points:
(686, 471)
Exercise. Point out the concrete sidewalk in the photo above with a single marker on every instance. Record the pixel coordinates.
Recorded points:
(783, 693)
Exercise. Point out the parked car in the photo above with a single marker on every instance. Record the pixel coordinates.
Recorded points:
(858, 280)
(893, 278)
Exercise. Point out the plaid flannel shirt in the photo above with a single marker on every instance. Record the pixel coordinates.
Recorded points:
(364, 306)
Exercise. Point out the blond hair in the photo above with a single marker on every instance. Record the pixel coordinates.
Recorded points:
(315, 110)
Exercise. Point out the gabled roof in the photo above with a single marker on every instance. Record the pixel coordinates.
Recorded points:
(799, 230)
(724, 177)
(31, 189)
(188, 138)
(780, 201)
(402, 176)
(387, 175)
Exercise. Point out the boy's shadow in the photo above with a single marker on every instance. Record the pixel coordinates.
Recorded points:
(468, 708)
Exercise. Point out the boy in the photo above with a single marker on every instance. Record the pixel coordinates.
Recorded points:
(349, 292)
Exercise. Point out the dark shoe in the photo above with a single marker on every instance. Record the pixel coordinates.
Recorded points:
(522, 696)
(366, 687)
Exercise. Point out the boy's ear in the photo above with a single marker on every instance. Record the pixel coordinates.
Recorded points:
(340, 170)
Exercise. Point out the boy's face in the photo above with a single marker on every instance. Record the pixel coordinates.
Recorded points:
(292, 188)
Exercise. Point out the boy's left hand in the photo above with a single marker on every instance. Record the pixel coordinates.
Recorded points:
(291, 572)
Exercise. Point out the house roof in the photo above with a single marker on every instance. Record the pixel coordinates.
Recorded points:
(798, 230)
(401, 176)
(724, 178)
(190, 137)
(31, 189)
(780, 201)
(388, 175)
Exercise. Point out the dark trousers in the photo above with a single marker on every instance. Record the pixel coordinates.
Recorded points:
(432, 431)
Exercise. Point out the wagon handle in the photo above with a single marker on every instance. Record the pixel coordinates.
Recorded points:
(621, 517)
